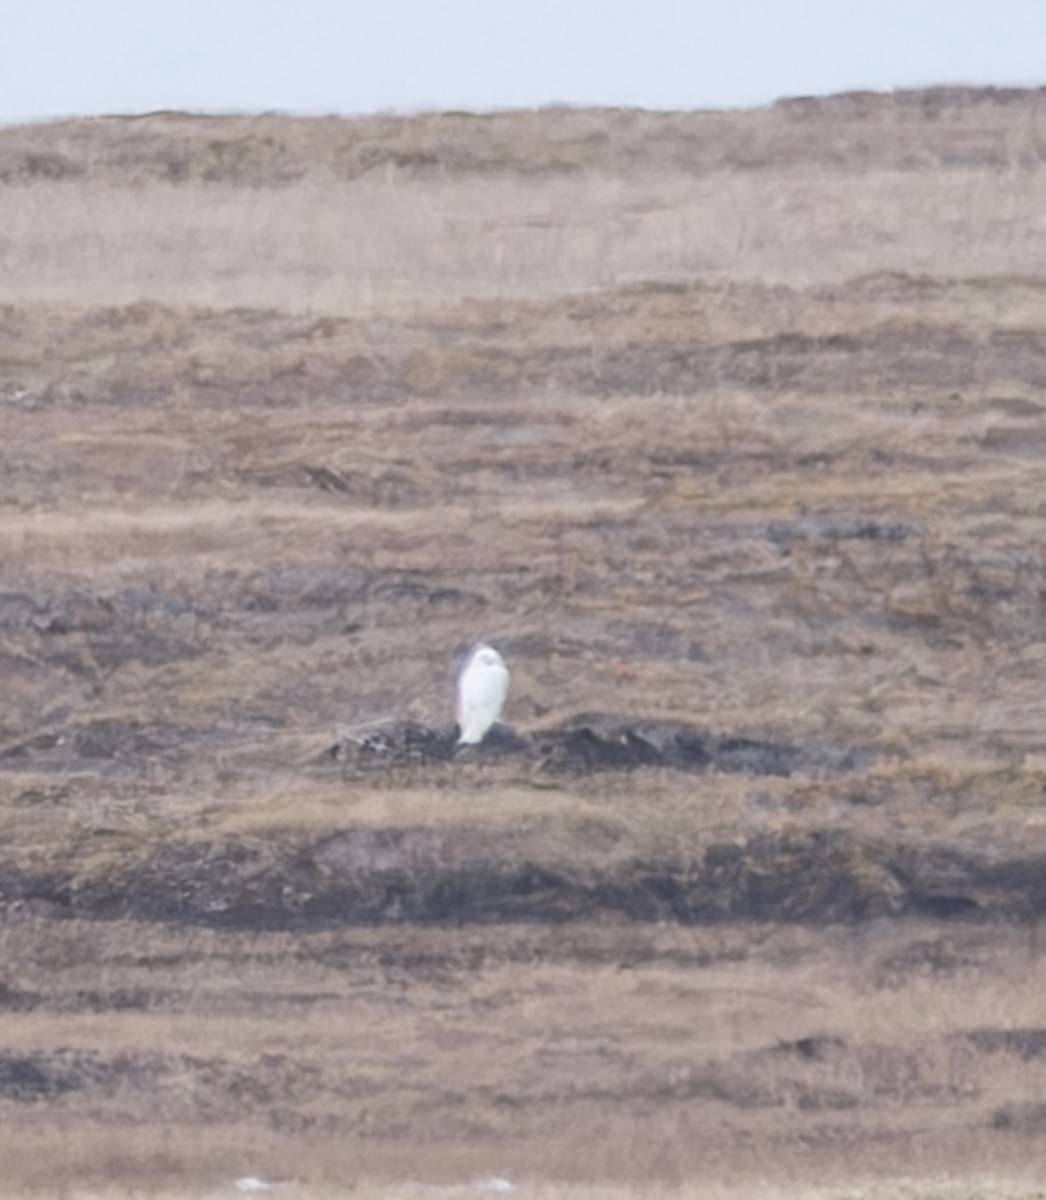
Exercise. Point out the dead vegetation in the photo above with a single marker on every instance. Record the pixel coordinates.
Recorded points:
(728, 425)
(735, 1057)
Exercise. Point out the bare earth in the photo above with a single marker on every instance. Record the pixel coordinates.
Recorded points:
(729, 430)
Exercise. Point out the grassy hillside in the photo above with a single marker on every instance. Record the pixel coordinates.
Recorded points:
(727, 428)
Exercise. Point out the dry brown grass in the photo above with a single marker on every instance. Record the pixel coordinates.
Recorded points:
(389, 246)
(384, 215)
(743, 1057)
(728, 418)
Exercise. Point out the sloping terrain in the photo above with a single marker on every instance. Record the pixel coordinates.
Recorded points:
(728, 430)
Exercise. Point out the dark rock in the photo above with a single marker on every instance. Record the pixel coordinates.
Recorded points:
(1026, 1044)
(821, 1048)
(108, 742)
(120, 738)
(1025, 1118)
(41, 1076)
(39, 743)
(393, 743)
(750, 757)
(832, 529)
(449, 874)
(500, 741)
(595, 742)
(76, 612)
(16, 610)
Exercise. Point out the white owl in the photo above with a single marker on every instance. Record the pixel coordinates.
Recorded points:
(482, 688)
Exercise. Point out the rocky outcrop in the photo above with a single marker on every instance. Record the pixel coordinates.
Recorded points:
(596, 742)
(458, 876)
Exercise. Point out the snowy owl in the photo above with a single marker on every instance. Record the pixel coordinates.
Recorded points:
(482, 687)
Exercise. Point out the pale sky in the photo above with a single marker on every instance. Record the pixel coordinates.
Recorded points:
(79, 57)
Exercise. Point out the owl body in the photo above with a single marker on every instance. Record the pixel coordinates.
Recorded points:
(482, 688)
